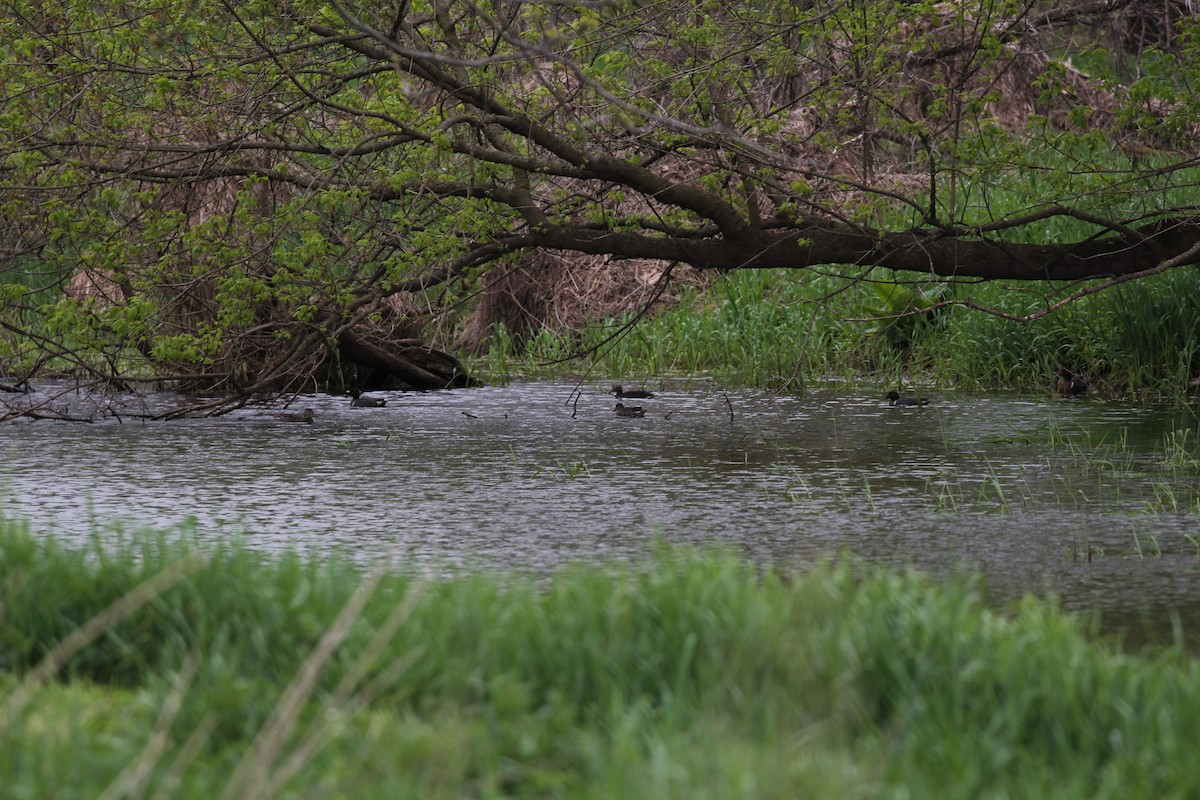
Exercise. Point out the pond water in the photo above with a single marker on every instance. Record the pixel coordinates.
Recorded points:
(1093, 501)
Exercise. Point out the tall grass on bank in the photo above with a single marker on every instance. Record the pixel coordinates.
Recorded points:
(694, 675)
(762, 329)
(756, 328)
(774, 327)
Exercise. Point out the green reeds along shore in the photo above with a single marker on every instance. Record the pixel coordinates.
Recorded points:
(764, 328)
(159, 670)
(786, 327)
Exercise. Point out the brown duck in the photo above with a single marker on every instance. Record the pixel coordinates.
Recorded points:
(630, 411)
(636, 394)
(293, 416)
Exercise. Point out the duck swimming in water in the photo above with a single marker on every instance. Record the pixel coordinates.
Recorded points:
(896, 399)
(1069, 383)
(636, 394)
(361, 400)
(630, 411)
(292, 416)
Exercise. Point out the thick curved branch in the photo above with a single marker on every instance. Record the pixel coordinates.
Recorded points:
(933, 254)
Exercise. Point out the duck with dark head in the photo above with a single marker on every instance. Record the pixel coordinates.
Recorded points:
(360, 400)
(1070, 384)
(894, 398)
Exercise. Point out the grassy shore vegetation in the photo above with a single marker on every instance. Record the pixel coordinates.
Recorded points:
(786, 327)
(161, 669)
(765, 328)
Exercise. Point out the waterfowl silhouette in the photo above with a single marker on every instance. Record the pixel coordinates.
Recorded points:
(366, 401)
(894, 398)
(630, 411)
(1069, 383)
(292, 416)
(636, 394)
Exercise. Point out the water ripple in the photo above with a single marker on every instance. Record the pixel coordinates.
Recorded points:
(530, 475)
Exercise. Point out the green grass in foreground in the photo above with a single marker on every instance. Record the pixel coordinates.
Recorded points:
(695, 676)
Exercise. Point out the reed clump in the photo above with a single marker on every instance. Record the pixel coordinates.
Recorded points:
(693, 674)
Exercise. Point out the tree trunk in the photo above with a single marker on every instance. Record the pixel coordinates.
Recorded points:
(416, 365)
(931, 252)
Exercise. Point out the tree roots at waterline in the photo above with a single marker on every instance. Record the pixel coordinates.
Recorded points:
(363, 357)
(256, 365)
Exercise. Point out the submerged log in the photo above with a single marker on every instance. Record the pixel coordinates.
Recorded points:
(417, 365)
